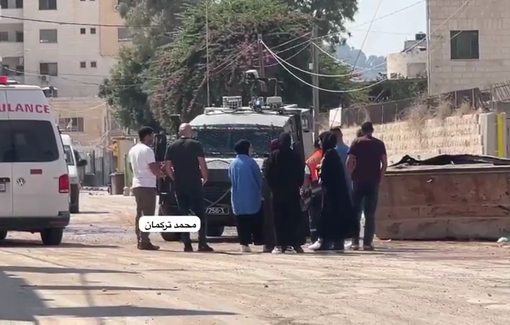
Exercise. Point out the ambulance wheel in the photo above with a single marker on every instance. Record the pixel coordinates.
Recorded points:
(3, 235)
(52, 236)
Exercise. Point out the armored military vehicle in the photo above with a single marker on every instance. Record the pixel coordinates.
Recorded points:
(219, 128)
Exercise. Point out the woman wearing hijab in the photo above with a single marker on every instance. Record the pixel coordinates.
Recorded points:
(338, 219)
(285, 173)
(246, 195)
(269, 234)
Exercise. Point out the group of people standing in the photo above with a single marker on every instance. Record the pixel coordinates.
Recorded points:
(349, 177)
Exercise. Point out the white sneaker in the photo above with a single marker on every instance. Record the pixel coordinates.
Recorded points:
(290, 250)
(277, 250)
(245, 249)
(315, 246)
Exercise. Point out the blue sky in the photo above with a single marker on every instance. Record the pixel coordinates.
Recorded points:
(387, 35)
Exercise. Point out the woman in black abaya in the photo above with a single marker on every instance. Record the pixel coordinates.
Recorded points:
(338, 220)
(284, 174)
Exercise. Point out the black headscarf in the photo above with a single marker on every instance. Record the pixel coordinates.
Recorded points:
(328, 141)
(242, 147)
(285, 169)
(285, 141)
(338, 219)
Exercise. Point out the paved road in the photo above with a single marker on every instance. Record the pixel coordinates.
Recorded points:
(98, 277)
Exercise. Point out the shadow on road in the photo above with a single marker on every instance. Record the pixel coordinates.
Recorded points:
(20, 302)
(94, 288)
(91, 212)
(36, 243)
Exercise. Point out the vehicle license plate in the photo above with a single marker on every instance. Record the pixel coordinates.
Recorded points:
(216, 210)
(2, 187)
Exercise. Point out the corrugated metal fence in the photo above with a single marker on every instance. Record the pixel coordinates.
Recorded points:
(99, 165)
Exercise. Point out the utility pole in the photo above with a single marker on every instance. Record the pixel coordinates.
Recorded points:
(315, 82)
(207, 51)
(261, 58)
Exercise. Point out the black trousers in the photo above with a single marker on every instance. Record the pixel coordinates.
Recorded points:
(365, 197)
(250, 228)
(287, 218)
(314, 215)
(268, 217)
(192, 201)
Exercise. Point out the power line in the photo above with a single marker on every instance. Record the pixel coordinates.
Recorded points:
(379, 18)
(312, 73)
(366, 35)
(310, 85)
(66, 22)
(463, 6)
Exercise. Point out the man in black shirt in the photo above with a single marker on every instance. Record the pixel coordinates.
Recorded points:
(186, 166)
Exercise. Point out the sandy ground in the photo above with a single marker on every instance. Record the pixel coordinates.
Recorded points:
(98, 277)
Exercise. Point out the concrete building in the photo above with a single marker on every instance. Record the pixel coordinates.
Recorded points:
(36, 48)
(411, 62)
(471, 49)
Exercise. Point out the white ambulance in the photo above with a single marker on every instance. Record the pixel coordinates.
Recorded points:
(73, 163)
(34, 180)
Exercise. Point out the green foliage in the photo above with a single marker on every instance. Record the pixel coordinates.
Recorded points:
(152, 21)
(157, 78)
(177, 76)
(123, 91)
(398, 89)
(331, 15)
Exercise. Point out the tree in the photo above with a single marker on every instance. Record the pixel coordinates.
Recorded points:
(330, 15)
(176, 80)
(174, 74)
(151, 24)
(123, 91)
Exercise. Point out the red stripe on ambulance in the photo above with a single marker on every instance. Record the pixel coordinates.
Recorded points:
(25, 108)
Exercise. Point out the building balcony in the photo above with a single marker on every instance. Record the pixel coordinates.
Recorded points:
(16, 14)
(11, 49)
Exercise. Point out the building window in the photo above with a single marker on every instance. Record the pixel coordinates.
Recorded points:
(93, 31)
(20, 37)
(48, 36)
(71, 124)
(124, 35)
(464, 45)
(93, 64)
(4, 37)
(83, 31)
(19, 4)
(4, 4)
(50, 69)
(47, 4)
(83, 65)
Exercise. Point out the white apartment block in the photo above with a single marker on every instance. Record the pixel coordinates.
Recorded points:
(36, 49)
(411, 62)
(472, 48)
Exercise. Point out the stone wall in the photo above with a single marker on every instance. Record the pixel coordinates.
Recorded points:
(468, 134)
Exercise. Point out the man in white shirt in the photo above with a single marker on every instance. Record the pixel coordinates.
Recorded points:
(145, 172)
